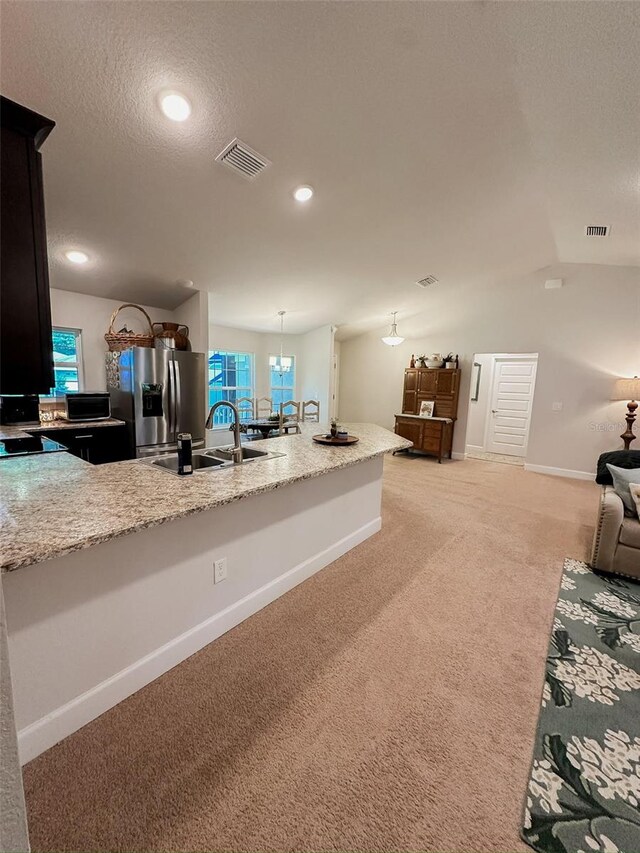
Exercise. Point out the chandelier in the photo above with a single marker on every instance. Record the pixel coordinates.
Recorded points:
(283, 363)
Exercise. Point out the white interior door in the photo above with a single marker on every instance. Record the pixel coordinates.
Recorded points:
(511, 403)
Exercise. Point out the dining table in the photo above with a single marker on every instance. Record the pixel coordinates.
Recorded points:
(262, 425)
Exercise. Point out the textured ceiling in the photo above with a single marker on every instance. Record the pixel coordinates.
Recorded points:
(471, 141)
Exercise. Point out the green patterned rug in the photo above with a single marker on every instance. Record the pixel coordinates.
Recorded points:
(584, 787)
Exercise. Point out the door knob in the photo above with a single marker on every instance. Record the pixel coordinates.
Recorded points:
(494, 411)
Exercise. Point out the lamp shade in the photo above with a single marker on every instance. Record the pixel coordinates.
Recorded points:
(393, 338)
(627, 389)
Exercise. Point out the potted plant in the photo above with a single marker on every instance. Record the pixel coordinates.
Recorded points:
(451, 361)
(421, 360)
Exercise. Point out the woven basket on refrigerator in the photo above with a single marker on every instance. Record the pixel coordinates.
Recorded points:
(118, 341)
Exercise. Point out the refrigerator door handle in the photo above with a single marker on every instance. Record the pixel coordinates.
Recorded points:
(178, 396)
(170, 398)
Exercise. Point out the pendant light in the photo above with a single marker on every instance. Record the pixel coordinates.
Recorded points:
(393, 338)
(283, 364)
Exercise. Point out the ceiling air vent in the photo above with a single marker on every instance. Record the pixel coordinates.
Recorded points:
(597, 231)
(425, 282)
(243, 160)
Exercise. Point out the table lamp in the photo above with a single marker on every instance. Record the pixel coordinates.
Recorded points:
(628, 389)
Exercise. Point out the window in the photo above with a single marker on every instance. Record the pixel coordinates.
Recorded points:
(67, 361)
(282, 379)
(230, 377)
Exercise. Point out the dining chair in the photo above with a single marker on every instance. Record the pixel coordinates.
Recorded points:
(311, 411)
(246, 408)
(263, 407)
(292, 421)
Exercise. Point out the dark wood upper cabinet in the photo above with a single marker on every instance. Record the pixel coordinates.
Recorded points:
(26, 356)
(441, 385)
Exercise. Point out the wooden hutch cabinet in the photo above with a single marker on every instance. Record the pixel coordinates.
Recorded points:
(430, 435)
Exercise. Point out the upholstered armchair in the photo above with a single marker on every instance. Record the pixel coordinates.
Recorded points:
(616, 544)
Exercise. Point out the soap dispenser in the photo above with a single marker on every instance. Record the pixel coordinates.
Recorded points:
(185, 454)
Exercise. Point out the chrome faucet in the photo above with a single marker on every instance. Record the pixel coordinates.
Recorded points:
(236, 452)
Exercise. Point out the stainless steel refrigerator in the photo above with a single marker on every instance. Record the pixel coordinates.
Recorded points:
(158, 393)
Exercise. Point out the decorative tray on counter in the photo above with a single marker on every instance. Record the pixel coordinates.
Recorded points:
(323, 438)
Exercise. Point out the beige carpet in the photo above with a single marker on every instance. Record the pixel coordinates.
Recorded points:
(389, 703)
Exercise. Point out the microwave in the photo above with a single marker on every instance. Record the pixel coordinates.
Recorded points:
(87, 406)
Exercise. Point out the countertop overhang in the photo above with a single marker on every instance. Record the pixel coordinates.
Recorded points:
(26, 430)
(54, 504)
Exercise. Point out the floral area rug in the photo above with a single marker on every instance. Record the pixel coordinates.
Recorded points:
(584, 788)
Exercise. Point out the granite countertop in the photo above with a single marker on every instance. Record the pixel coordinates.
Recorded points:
(422, 418)
(25, 431)
(55, 503)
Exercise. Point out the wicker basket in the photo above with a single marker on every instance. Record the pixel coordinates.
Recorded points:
(118, 341)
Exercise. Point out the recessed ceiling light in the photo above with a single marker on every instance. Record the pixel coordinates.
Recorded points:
(175, 106)
(76, 257)
(303, 193)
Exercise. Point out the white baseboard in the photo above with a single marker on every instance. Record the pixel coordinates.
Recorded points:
(474, 448)
(457, 455)
(52, 728)
(559, 472)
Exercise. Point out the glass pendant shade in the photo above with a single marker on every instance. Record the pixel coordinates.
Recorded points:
(393, 338)
(281, 363)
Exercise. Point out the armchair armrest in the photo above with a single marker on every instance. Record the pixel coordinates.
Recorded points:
(605, 541)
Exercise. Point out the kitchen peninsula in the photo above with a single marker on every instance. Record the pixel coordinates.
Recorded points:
(94, 614)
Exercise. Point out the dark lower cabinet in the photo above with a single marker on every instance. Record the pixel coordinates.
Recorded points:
(429, 435)
(26, 356)
(94, 444)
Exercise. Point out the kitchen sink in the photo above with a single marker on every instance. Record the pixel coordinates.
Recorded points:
(216, 459)
(200, 462)
(248, 453)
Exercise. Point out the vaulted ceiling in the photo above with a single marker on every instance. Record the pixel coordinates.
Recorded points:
(471, 141)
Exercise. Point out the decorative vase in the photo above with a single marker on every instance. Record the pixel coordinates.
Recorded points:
(172, 335)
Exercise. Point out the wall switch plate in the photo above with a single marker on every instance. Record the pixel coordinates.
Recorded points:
(220, 570)
(556, 407)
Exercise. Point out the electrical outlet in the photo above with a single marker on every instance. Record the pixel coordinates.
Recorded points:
(220, 570)
(556, 407)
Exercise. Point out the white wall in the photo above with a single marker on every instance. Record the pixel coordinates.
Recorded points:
(89, 628)
(315, 375)
(194, 313)
(586, 334)
(92, 315)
